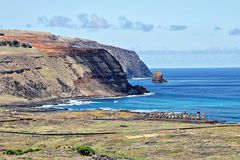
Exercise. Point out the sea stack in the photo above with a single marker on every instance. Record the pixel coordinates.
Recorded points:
(158, 77)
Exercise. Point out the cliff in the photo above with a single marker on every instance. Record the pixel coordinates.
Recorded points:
(37, 66)
(129, 60)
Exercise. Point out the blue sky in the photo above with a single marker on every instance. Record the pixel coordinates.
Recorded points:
(141, 25)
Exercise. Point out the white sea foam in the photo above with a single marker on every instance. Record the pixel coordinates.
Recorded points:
(108, 109)
(143, 95)
(69, 103)
(79, 102)
(140, 78)
(144, 110)
(86, 102)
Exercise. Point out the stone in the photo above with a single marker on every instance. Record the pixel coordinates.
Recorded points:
(139, 90)
(158, 77)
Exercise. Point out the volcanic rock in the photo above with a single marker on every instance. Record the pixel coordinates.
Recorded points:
(51, 68)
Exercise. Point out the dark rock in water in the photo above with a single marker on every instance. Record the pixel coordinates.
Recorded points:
(158, 77)
(137, 90)
(140, 89)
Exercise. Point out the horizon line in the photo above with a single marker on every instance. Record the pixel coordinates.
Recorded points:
(192, 67)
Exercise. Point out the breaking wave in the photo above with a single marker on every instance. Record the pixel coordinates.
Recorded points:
(140, 78)
(70, 103)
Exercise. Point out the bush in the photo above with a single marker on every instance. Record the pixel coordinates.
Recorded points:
(19, 152)
(84, 150)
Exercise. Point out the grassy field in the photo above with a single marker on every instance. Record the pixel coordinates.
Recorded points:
(6, 50)
(54, 135)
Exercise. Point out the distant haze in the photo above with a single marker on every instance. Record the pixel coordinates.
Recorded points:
(190, 59)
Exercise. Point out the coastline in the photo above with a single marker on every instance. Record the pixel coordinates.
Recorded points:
(65, 100)
(54, 105)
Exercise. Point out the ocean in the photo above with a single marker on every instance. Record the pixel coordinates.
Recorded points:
(214, 91)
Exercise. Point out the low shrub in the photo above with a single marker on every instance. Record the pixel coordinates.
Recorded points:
(19, 152)
(123, 125)
(84, 150)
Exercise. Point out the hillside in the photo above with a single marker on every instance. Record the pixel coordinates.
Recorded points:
(41, 66)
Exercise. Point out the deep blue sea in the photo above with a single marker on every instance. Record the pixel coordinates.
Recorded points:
(214, 91)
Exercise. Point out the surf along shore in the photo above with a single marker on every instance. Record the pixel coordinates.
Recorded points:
(114, 134)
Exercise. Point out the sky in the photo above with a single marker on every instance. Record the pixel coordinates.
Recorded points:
(197, 32)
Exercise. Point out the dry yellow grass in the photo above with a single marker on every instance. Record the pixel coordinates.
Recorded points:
(11, 51)
(138, 140)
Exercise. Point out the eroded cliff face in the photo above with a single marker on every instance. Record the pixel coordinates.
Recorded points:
(129, 60)
(54, 69)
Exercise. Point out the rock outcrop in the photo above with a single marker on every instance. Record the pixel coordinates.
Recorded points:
(52, 68)
(158, 77)
(129, 60)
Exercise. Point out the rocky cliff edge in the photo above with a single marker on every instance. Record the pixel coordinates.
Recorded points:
(36, 66)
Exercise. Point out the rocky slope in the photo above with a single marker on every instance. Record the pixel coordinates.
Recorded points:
(129, 60)
(41, 66)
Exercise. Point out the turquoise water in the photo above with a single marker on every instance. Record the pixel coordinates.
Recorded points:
(216, 92)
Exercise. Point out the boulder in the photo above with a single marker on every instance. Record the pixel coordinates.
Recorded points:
(158, 77)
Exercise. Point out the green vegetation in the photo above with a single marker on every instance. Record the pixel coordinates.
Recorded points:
(84, 150)
(19, 152)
